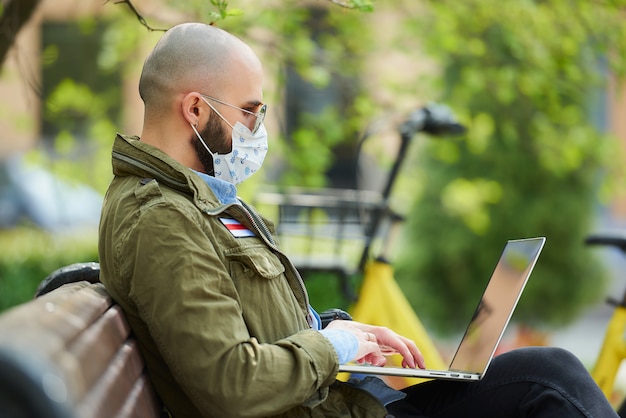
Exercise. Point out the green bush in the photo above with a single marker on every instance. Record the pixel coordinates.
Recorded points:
(325, 291)
(447, 259)
(29, 255)
(532, 162)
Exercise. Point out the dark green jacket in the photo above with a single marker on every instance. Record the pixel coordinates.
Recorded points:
(221, 321)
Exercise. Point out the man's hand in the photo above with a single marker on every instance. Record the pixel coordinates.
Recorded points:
(377, 342)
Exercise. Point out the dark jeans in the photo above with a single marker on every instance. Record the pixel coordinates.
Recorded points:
(528, 382)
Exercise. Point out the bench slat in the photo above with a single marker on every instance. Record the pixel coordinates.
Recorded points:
(79, 337)
(54, 319)
(141, 402)
(86, 359)
(110, 392)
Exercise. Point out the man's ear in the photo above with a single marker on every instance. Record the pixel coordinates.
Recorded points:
(192, 109)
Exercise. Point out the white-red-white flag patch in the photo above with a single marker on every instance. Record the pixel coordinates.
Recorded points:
(236, 228)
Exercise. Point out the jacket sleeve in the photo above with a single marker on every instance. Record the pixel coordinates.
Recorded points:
(184, 293)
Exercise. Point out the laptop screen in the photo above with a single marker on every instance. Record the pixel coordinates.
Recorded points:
(497, 305)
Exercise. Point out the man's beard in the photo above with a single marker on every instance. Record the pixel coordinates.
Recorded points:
(216, 138)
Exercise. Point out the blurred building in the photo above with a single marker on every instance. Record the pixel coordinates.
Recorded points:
(30, 68)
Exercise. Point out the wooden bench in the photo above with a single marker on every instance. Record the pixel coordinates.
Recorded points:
(70, 353)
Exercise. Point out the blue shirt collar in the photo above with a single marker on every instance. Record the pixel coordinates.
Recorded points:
(225, 192)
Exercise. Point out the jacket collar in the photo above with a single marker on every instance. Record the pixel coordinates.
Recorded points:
(131, 157)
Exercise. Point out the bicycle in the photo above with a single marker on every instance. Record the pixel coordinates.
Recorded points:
(379, 283)
(613, 349)
(378, 273)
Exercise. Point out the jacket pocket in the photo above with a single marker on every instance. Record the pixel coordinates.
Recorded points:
(254, 261)
(267, 302)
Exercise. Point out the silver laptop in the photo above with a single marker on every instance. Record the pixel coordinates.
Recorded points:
(489, 322)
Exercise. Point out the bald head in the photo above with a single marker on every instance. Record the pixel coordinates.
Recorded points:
(189, 57)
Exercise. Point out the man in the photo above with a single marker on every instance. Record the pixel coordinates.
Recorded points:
(221, 315)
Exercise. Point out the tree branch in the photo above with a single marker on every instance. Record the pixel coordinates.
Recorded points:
(141, 19)
(351, 5)
(342, 4)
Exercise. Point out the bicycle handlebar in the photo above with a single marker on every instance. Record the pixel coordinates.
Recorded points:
(615, 238)
(434, 119)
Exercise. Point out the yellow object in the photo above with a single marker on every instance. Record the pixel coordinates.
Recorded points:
(381, 302)
(612, 353)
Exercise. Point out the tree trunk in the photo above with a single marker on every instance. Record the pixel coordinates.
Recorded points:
(15, 14)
